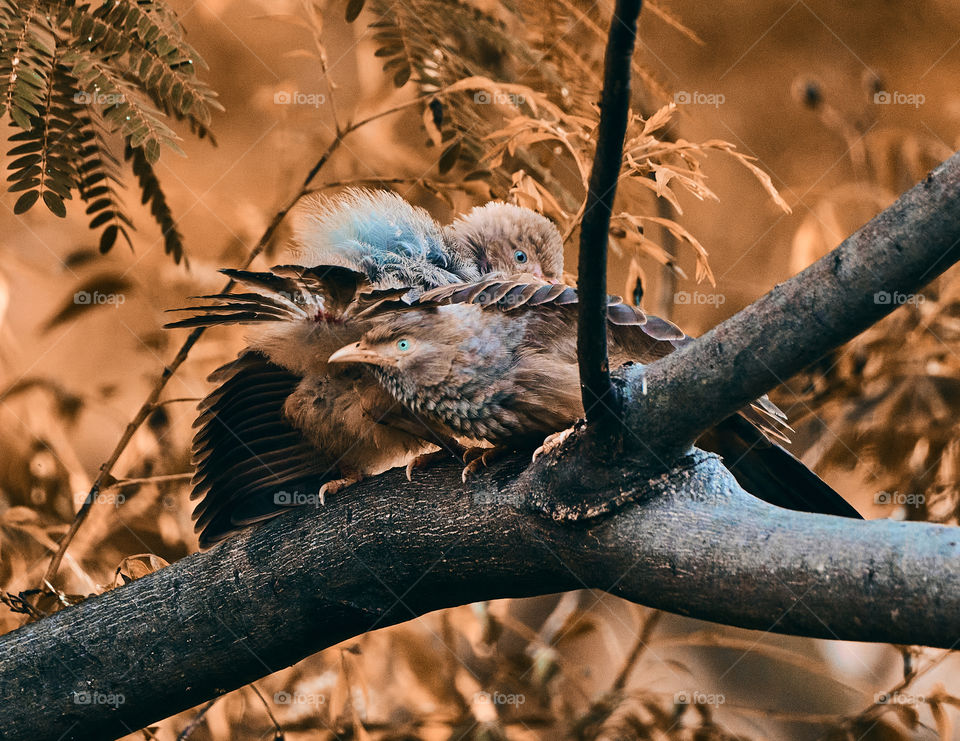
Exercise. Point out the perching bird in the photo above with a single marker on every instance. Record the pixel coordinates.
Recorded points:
(502, 239)
(496, 361)
(278, 416)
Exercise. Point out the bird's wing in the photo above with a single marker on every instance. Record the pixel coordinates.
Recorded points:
(289, 293)
(244, 451)
(656, 337)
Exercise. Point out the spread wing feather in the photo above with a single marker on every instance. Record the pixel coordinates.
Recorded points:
(288, 293)
(244, 449)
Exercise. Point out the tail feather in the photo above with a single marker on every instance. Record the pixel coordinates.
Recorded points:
(770, 472)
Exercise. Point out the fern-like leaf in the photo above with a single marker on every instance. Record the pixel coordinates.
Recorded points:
(152, 194)
(72, 77)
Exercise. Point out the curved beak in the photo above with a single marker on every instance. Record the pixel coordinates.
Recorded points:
(356, 353)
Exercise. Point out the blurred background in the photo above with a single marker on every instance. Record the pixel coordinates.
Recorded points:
(841, 106)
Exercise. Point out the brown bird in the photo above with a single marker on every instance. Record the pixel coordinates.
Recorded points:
(496, 361)
(279, 417)
(502, 239)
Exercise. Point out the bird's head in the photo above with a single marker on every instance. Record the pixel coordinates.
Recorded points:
(503, 239)
(414, 349)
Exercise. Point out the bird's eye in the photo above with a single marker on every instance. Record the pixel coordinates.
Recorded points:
(520, 256)
(403, 345)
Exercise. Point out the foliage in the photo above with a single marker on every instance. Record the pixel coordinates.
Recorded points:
(509, 99)
(76, 76)
(891, 394)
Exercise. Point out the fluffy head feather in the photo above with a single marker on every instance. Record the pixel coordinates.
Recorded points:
(503, 239)
(380, 234)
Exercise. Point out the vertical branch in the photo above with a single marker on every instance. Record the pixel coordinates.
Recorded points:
(667, 286)
(600, 399)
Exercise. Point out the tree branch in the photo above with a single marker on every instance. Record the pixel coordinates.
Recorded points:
(387, 551)
(668, 405)
(599, 394)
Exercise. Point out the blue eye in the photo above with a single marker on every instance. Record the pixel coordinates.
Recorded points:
(403, 345)
(520, 256)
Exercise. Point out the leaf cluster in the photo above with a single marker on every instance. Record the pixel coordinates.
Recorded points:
(74, 79)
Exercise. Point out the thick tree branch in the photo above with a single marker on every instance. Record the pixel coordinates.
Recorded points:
(682, 537)
(386, 551)
(668, 405)
(599, 394)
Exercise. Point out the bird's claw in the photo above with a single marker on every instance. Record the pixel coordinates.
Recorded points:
(552, 442)
(425, 459)
(335, 485)
(478, 457)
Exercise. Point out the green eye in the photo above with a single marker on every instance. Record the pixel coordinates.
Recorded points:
(403, 345)
(520, 256)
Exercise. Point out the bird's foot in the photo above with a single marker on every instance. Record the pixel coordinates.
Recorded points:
(552, 442)
(427, 459)
(479, 457)
(332, 487)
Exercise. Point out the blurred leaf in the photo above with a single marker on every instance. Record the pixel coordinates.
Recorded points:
(354, 7)
(101, 290)
(134, 567)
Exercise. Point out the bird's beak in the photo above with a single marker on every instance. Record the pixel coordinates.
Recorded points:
(357, 353)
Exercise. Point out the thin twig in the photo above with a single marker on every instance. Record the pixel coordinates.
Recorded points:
(668, 273)
(273, 719)
(599, 395)
(643, 640)
(197, 720)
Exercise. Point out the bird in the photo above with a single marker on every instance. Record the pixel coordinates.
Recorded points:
(278, 416)
(496, 361)
(504, 239)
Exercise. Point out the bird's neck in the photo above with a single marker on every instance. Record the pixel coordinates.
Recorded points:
(458, 406)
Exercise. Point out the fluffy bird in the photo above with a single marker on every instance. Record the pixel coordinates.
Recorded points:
(496, 361)
(502, 239)
(279, 415)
